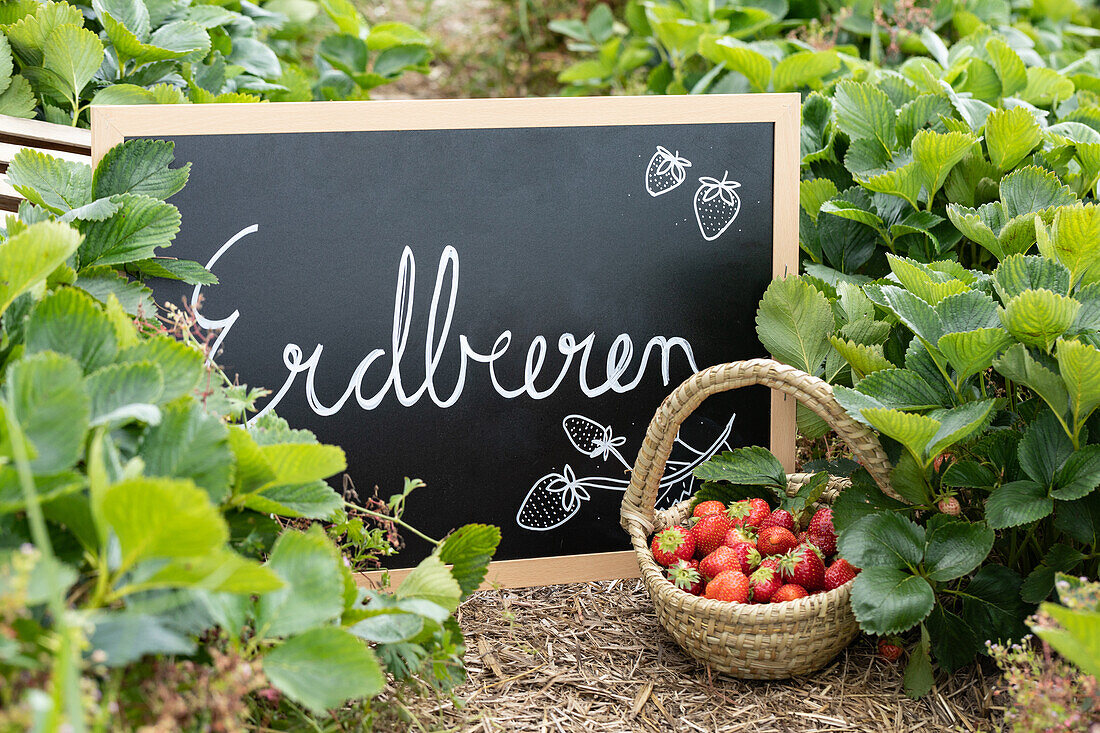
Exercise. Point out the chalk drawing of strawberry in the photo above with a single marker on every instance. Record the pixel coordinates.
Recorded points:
(593, 439)
(665, 171)
(552, 501)
(716, 205)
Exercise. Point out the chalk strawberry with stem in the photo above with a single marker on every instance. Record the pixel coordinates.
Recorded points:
(665, 171)
(716, 205)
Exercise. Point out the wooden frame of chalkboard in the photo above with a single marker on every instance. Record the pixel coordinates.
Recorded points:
(113, 124)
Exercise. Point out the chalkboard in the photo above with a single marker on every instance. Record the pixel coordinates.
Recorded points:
(492, 296)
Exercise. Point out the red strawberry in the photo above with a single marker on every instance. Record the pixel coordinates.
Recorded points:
(774, 541)
(747, 555)
(737, 535)
(803, 566)
(839, 573)
(765, 581)
(716, 206)
(685, 576)
(731, 585)
(704, 508)
(789, 592)
(709, 533)
(822, 521)
(889, 649)
(803, 537)
(758, 512)
(825, 542)
(672, 544)
(950, 506)
(723, 558)
(779, 518)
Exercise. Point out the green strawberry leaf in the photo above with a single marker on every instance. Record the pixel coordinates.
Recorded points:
(889, 601)
(954, 547)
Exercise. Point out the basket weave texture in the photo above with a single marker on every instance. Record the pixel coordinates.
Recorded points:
(754, 641)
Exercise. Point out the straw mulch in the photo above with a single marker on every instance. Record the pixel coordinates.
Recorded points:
(591, 657)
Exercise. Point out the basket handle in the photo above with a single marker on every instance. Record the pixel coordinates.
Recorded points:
(816, 394)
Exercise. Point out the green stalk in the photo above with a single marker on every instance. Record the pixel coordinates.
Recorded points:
(66, 690)
(395, 520)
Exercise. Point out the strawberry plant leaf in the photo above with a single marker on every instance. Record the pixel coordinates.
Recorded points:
(863, 111)
(1046, 87)
(936, 154)
(1017, 503)
(1018, 273)
(803, 69)
(991, 604)
(1017, 365)
(954, 643)
(1073, 636)
(1079, 476)
(1044, 448)
(886, 600)
(913, 431)
(431, 581)
(314, 500)
(299, 463)
(47, 487)
(188, 443)
(968, 474)
(124, 637)
(883, 539)
(103, 282)
(180, 365)
(955, 547)
(309, 564)
(141, 225)
(68, 321)
(222, 571)
(971, 352)
(1079, 367)
(967, 311)
(921, 318)
(139, 166)
(736, 55)
(864, 359)
(1079, 519)
(900, 389)
(753, 466)
(252, 471)
(468, 551)
(1040, 581)
(1073, 240)
(73, 54)
(1010, 136)
(1038, 317)
(918, 678)
(46, 395)
(959, 424)
(160, 518)
(910, 480)
(1010, 68)
(52, 183)
(124, 392)
(323, 668)
(1031, 190)
(730, 493)
(812, 194)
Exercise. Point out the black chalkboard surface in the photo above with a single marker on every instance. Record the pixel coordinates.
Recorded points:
(497, 309)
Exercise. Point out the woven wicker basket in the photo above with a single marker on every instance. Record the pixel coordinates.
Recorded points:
(764, 641)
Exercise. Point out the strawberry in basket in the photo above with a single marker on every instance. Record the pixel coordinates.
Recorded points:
(671, 545)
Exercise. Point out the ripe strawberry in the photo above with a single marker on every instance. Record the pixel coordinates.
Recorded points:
(716, 205)
(723, 558)
(704, 508)
(709, 532)
(685, 576)
(822, 521)
(779, 518)
(889, 649)
(803, 566)
(825, 542)
(803, 537)
(672, 544)
(665, 171)
(789, 592)
(950, 506)
(747, 555)
(839, 573)
(774, 541)
(737, 535)
(758, 512)
(765, 581)
(731, 585)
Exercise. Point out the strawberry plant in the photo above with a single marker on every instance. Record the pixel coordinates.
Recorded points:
(137, 511)
(58, 58)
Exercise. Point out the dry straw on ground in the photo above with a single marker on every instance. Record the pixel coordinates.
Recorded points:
(591, 657)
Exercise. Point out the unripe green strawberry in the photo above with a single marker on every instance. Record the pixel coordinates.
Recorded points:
(950, 506)
(672, 544)
(730, 585)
